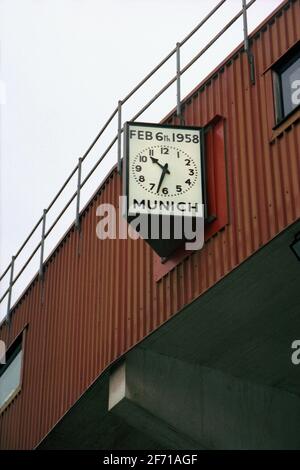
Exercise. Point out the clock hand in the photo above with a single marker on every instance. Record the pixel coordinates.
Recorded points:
(155, 160)
(163, 174)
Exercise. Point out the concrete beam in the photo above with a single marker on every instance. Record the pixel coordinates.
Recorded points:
(210, 407)
(167, 436)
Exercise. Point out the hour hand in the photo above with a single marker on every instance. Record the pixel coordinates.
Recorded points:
(155, 160)
(163, 167)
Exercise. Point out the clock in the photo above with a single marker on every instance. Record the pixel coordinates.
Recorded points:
(163, 172)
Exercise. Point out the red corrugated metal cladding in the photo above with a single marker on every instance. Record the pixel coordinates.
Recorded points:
(93, 306)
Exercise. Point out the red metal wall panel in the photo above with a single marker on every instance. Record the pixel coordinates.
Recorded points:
(216, 189)
(99, 298)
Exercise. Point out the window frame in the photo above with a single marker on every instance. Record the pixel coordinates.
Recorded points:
(11, 353)
(284, 63)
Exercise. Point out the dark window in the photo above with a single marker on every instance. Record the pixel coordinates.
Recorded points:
(10, 372)
(287, 83)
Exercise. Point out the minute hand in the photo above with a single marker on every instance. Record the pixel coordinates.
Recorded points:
(165, 170)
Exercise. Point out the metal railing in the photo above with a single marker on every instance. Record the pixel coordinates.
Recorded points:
(117, 113)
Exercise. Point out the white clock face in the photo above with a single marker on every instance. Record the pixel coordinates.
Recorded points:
(164, 170)
(156, 170)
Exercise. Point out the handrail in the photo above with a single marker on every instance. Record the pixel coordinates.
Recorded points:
(117, 138)
(173, 51)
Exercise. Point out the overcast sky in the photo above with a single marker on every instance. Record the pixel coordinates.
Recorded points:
(63, 66)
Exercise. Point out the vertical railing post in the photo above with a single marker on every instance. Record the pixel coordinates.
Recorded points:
(41, 270)
(77, 220)
(119, 137)
(178, 107)
(11, 280)
(246, 43)
(245, 26)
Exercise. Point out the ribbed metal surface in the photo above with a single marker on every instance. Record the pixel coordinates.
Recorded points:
(99, 298)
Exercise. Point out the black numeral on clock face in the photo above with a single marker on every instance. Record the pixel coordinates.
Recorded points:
(165, 191)
(164, 151)
(187, 162)
(188, 182)
(151, 153)
(178, 188)
(142, 179)
(152, 186)
(143, 158)
(191, 172)
(138, 168)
